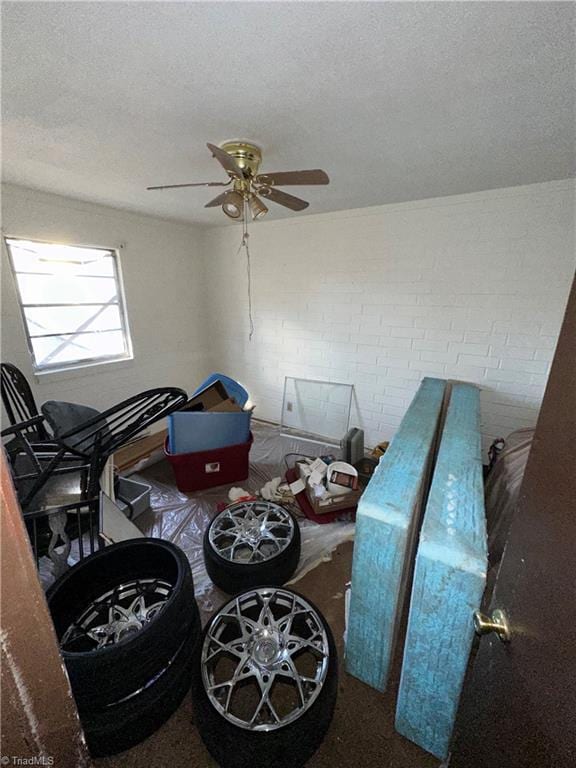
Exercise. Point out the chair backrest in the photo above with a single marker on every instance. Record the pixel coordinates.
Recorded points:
(113, 428)
(93, 441)
(18, 399)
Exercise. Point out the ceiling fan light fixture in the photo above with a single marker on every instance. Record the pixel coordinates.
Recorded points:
(241, 161)
(233, 205)
(257, 207)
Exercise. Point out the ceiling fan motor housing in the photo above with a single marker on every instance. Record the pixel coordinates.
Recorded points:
(247, 156)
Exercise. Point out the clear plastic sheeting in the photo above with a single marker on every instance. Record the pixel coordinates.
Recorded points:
(183, 518)
(503, 488)
(47, 569)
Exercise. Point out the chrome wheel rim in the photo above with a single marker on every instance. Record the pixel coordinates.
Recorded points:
(116, 614)
(251, 532)
(265, 658)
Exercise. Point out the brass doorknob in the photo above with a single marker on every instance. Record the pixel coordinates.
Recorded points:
(498, 623)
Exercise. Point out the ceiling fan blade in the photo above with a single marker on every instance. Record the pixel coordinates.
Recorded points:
(283, 178)
(216, 201)
(283, 198)
(198, 184)
(226, 161)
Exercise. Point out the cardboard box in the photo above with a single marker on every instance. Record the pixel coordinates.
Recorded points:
(234, 389)
(333, 503)
(209, 398)
(226, 406)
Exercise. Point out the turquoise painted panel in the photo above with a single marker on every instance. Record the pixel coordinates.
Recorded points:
(449, 580)
(388, 516)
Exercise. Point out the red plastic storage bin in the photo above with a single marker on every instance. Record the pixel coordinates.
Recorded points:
(205, 469)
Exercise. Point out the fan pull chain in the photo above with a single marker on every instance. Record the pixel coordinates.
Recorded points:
(244, 244)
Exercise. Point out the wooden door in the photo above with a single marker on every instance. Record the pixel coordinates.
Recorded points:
(39, 722)
(518, 707)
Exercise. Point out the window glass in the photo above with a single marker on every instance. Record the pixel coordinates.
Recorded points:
(71, 303)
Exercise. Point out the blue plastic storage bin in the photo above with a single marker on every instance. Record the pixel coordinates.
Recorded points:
(192, 431)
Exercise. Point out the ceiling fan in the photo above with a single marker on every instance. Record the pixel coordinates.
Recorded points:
(241, 161)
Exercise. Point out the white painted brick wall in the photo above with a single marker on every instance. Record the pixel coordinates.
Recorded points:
(471, 287)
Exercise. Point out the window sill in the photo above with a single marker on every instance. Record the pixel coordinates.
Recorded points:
(80, 371)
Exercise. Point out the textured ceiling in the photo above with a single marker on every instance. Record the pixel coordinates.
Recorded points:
(396, 101)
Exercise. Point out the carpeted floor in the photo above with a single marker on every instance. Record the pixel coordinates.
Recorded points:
(362, 732)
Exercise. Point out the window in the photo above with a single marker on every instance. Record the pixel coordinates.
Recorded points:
(72, 303)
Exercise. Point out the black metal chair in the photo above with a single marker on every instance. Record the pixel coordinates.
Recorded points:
(19, 402)
(58, 480)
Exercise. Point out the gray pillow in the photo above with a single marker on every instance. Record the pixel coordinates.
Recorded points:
(64, 417)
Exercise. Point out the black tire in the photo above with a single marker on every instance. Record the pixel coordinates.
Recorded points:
(288, 747)
(127, 723)
(234, 577)
(105, 675)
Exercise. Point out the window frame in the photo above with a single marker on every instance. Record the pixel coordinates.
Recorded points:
(41, 370)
